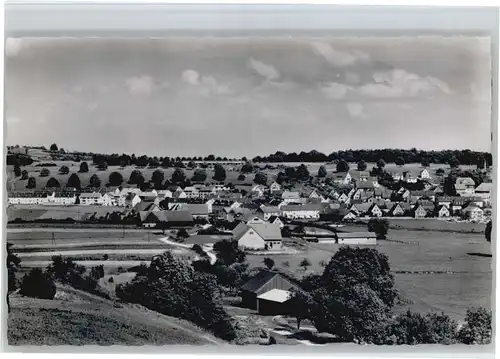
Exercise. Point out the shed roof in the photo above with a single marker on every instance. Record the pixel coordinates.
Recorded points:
(258, 281)
(276, 295)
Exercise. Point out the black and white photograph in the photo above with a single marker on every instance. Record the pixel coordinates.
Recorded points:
(249, 190)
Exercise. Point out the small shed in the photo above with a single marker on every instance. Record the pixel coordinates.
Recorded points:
(274, 302)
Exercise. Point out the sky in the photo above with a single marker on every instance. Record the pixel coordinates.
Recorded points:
(248, 96)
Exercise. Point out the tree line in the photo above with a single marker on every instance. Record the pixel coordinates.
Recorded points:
(463, 157)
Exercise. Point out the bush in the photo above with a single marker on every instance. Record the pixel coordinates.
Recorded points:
(111, 280)
(477, 328)
(38, 284)
(173, 287)
(97, 272)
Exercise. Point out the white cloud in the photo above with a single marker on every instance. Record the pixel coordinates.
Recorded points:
(208, 84)
(264, 70)
(335, 90)
(13, 46)
(339, 58)
(352, 78)
(191, 77)
(355, 109)
(140, 86)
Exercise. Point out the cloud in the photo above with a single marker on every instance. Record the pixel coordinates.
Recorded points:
(140, 86)
(339, 58)
(13, 46)
(191, 77)
(335, 90)
(208, 84)
(264, 70)
(355, 109)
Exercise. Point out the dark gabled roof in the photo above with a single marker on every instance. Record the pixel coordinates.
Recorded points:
(257, 282)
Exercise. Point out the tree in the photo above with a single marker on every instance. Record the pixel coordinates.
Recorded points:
(115, 178)
(260, 178)
(425, 162)
(311, 282)
(74, 181)
(199, 175)
(381, 163)
(453, 162)
(353, 265)
(247, 168)
(268, 262)
(157, 178)
(302, 172)
(304, 263)
(342, 166)
(477, 328)
(64, 170)
(400, 161)
(241, 177)
(352, 313)
(219, 173)
(362, 165)
(379, 226)
(44, 172)
(84, 167)
(31, 183)
(17, 170)
(182, 233)
(228, 252)
(102, 166)
(38, 284)
(302, 305)
(440, 171)
(95, 181)
(136, 178)
(413, 328)
(53, 183)
(322, 172)
(53, 147)
(178, 176)
(487, 231)
(13, 264)
(24, 175)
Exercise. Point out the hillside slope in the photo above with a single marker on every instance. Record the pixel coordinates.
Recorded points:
(78, 318)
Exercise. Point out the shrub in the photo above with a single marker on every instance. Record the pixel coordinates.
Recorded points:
(38, 284)
(477, 327)
(111, 280)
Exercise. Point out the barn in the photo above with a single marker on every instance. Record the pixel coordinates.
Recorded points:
(262, 283)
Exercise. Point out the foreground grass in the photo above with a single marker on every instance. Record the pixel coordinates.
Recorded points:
(77, 318)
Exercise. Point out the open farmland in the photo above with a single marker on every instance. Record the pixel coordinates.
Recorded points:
(433, 270)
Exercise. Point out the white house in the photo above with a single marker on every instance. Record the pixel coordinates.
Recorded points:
(269, 211)
(258, 236)
(28, 198)
(443, 211)
(342, 178)
(191, 192)
(465, 186)
(132, 199)
(306, 211)
(277, 221)
(258, 191)
(87, 199)
(275, 187)
(344, 198)
(61, 198)
(290, 196)
(424, 174)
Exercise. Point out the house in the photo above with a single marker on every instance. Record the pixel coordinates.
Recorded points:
(465, 186)
(179, 193)
(264, 282)
(87, 199)
(472, 213)
(255, 219)
(275, 187)
(341, 178)
(424, 174)
(28, 197)
(306, 211)
(397, 176)
(61, 198)
(350, 216)
(164, 193)
(132, 199)
(197, 210)
(356, 238)
(334, 194)
(258, 191)
(367, 186)
(396, 210)
(374, 211)
(359, 176)
(191, 192)
(484, 191)
(443, 211)
(277, 221)
(269, 211)
(258, 236)
(290, 196)
(419, 211)
(313, 195)
(361, 208)
(458, 204)
(344, 198)
(173, 218)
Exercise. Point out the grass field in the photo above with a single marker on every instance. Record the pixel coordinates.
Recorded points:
(232, 175)
(77, 318)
